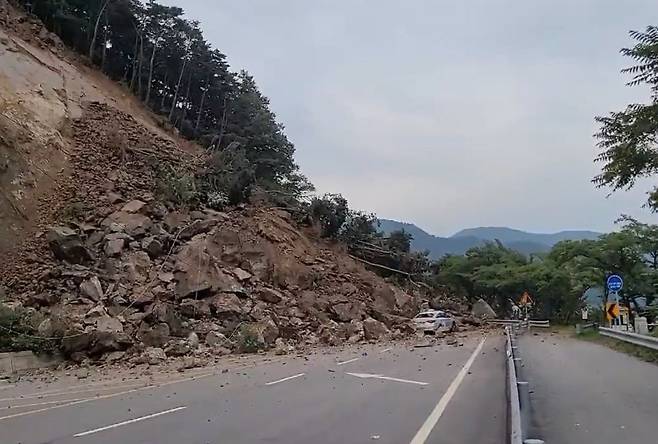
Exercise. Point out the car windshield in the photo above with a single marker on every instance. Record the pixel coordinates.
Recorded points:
(427, 315)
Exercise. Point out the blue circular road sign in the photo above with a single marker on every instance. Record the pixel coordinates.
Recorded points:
(615, 283)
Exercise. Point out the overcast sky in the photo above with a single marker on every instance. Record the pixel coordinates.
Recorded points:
(448, 114)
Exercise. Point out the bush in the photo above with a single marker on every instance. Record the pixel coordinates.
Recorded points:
(249, 339)
(330, 212)
(177, 186)
(18, 331)
(228, 179)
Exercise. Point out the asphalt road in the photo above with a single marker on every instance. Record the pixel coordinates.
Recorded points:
(584, 392)
(398, 394)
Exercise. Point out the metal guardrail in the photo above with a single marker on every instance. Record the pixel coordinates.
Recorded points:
(516, 434)
(632, 338)
(542, 324)
(518, 396)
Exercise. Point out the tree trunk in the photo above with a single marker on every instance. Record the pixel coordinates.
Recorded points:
(141, 64)
(187, 100)
(198, 118)
(107, 25)
(148, 87)
(164, 92)
(180, 79)
(135, 54)
(95, 35)
(222, 126)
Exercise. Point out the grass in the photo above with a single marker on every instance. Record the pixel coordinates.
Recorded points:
(645, 354)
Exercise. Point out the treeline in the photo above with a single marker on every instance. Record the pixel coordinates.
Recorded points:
(166, 62)
(558, 280)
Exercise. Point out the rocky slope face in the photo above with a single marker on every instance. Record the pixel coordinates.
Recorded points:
(114, 271)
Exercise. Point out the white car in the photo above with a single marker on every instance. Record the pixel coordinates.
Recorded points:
(431, 321)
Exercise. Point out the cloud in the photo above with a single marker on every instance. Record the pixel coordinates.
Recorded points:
(447, 114)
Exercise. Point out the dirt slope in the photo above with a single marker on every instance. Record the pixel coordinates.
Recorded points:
(115, 271)
(43, 87)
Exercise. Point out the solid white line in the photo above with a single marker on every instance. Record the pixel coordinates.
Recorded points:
(71, 392)
(408, 381)
(348, 361)
(59, 401)
(385, 350)
(425, 430)
(111, 395)
(286, 379)
(120, 424)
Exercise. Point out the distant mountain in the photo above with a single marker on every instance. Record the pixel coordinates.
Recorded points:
(518, 240)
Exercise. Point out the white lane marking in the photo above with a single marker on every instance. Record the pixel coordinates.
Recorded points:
(387, 378)
(385, 350)
(348, 361)
(59, 401)
(408, 381)
(286, 379)
(427, 427)
(71, 392)
(111, 395)
(120, 424)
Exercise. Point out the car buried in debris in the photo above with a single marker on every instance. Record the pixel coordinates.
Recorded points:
(432, 321)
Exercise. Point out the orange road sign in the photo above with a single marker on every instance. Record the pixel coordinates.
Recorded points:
(612, 310)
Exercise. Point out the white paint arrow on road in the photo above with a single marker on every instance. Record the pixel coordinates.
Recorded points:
(386, 378)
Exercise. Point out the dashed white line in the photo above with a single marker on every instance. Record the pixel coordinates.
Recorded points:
(427, 427)
(408, 381)
(286, 379)
(385, 350)
(120, 424)
(348, 361)
(386, 378)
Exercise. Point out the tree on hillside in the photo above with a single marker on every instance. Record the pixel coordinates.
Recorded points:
(399, 241)
(627, 139)
(164, 60)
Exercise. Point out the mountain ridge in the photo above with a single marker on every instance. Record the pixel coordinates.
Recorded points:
(519, 240)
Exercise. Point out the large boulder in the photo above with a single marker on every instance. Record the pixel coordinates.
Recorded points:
(153, 356)
(66, 245)
(161, 312)
(133, 224)
(270, 295)
(194, 308)
(134, 206)
(155, 336)
(92, 289)
(348, 311)
(198, 274)
(197, 227)
(483, 310)
(226, 306)
(373, 329)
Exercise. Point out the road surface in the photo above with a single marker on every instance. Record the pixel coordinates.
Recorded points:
(583, 392)
(376, 393)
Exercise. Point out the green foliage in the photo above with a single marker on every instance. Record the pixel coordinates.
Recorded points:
(176, 186)
(18, 331)
(249, 339)
(399, 241)
(627, 139)
(331, 212)
(358, 227)
(228, 179)
(558, 280)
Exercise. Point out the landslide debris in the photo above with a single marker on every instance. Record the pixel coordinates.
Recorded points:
(120, 273)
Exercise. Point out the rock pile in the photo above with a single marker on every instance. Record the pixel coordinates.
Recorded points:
(120, 274)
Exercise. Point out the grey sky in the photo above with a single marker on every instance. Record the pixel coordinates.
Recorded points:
(445, 114)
